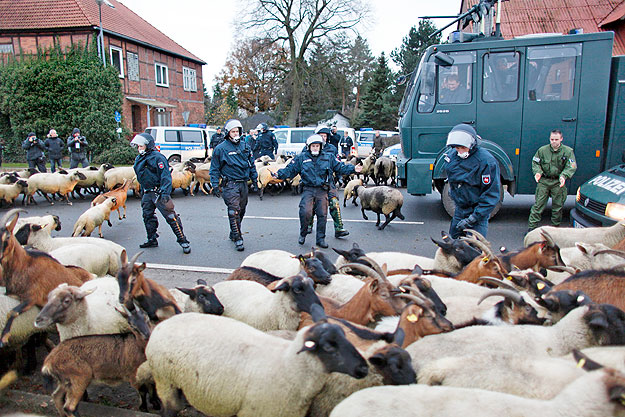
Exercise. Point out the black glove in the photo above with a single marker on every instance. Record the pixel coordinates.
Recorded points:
(467, 223)
(216, 192)
(165, 198)
(254, 187)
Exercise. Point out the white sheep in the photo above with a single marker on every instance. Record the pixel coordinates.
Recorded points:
(94, 217)
(90, 309)
(588, 396)
(51, 183)
(566, 237)
(94, 176)
(276, 262)
(395, 260)
(116, 176)
(82, 255)
(242, 370)
(612, 356)
(23, 326)
(9, 192)
(199, 299)
(49, 222)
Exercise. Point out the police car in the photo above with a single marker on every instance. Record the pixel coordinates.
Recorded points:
(600, 201)
(181, 143)
(392, 150)
(364, 138)
(291, 140)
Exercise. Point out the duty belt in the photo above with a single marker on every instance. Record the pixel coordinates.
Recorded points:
(551, 177)
(151, 190)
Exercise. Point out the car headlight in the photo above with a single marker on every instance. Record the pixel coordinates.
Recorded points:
(577, 195)
(615, 211)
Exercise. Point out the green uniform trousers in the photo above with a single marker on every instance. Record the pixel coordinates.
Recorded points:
(546, 188)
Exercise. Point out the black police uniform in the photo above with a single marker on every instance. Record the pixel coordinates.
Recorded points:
(34, 153)
(216, 139)
(266, 144)
(233, 164)
(316, 173)
(153, 174)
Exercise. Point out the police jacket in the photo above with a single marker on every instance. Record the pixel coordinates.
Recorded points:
(232, 162)
(77, 146)
(315, 170)
(216, 139)
(554, 164)
(266, 144)
(34, 149)
(55, 147)
(474, 182)
(152, 171)
(328, 147)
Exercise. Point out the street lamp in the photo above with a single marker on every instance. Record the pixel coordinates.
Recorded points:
(102, 52)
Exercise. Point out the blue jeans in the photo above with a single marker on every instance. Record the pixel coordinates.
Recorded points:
(481, 226)
(54, 163)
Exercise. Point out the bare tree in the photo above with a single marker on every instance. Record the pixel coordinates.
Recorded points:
(296, 24)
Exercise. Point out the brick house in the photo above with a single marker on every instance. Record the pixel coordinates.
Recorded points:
(522, 17)
(160, 79)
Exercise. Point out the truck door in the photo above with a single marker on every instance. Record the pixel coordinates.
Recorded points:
(551, 95)
(500, 104)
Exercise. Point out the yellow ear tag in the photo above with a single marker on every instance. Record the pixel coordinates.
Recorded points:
(309, 344)
(412, 318)
(485, 259)
(540, 285)
(581, 363)
(509, 278)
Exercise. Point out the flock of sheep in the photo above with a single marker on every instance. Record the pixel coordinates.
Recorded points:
(472, 331)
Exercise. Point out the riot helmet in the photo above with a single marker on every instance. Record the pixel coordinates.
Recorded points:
(232, 124)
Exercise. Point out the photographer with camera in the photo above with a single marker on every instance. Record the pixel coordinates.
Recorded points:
(34, 152)
(77, 145)
(315, 168)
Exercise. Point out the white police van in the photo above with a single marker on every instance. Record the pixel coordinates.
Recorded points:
(181, 143)
(291, 140)
(365, 136)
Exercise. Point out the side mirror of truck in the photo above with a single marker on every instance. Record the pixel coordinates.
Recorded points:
(444, 60)
(623, 157)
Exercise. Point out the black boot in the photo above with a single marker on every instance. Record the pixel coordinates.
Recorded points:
(151, 243)
(235, 230)
(322, 243)
(176, 227)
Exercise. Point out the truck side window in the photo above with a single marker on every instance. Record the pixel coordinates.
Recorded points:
(551, 72)
(500, 79)
(171, 136)
(427, 88)
(454, 84)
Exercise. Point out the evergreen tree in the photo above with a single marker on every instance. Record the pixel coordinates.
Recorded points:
(378, 110)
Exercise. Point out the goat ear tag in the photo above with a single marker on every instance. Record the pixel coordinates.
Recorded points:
(412, 318)
(509, 278)
(581, 363)
(580, 298)
(485, 259)
(540, 285)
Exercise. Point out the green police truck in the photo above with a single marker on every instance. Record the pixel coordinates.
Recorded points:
(514, 92)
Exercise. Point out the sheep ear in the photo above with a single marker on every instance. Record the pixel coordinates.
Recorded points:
(284, 286)
(124, 258)
(343, 253)
(373, 286)
(398, 337)
(378, 360)
(317, 312)
(80, 294)
(585, 362)
(582, 247)
(384, 268)
(188, 291)
(36, 227)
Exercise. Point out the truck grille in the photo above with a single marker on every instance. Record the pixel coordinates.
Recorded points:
(592, 205)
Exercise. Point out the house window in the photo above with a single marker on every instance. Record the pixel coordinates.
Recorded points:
(132, 62)
(188, 79)
(162, 78)
(117, 60)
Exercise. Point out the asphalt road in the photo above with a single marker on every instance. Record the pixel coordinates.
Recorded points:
(273, 224)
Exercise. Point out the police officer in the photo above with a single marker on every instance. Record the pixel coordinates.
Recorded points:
(34, 152)
(153, 174)
(77, 145)
(266, 143)
(316, 169)
(473, 175)
(216, 139)
(335, 137)
(232, 163)
(552, 165)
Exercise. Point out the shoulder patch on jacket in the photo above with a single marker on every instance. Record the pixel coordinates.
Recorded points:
(486, 179)
(536, 159)
(161, 165)
(447, 158)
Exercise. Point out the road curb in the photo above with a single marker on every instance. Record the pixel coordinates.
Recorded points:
(42, 404)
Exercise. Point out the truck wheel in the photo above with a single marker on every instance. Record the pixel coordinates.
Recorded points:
(174, 159)
(450, 206)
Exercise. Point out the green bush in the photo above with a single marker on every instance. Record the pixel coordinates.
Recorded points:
(119, 153)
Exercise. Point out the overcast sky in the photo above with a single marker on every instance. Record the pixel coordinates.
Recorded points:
(204, 27)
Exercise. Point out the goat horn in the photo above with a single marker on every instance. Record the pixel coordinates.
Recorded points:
(478, 236)
(134, 258)
(514, 296)
(548, 238)
(10, 214)
(373, 264)
(559, 268)
(498, 282)
(370, 272)
(611, 252)
(418, 301)
(481, 245)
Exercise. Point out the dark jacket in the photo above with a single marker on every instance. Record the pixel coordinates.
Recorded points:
(346, 145)
(474, 182)
(77, 146)
(315, 170)
(34, 149)
(152, 170)
(328, 147)
(55, 147)
(266, 144)
(232, 162)
(216, 139)
(335, 139)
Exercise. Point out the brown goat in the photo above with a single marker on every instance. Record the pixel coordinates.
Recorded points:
(120, 194)
(603, 287)
(152, 297)
(112, 359)
(420, 318)
(30, 275)
(538, 255)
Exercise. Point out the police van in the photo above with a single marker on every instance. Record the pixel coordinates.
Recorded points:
(365, 137)
(600, 201)
(291, 140)
(181, 143)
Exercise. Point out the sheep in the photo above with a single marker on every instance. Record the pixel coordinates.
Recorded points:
(368, 166)
(9, 193)
(93, 217)
(222, 384)
(601, 286)
(29, 275)
(49, 222)
(182, 179)
(39, 237)
(59, 183)
(584, 256)
(284, 264)
(592, 325)
(265, 177)
(452, 254)
(381, 200)
(264, 309)
(313, 267)
(115, 177)
(200, 178)
(79, 311)
(348, 192)
(200, 299)
(83, 256)
(120, 194)
(111, 359)
(594, 394)
(566, 237)
(95, 177)
(383, 170)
